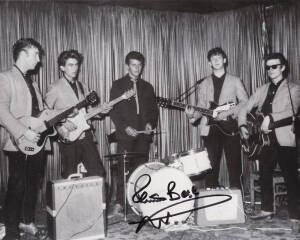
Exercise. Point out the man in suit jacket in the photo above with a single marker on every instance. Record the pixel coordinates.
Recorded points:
(277, 100)
(20, 97)
(221, 87)
(67, 92)
(133, 116)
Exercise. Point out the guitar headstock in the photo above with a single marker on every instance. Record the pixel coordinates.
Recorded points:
(130, 93)
(92, 98)
(163, 102)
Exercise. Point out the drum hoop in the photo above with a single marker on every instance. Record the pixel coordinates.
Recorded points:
(191, 152)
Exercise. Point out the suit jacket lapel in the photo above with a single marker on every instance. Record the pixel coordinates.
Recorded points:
(68, 92)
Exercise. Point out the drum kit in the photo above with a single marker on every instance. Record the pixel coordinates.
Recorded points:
(163, 191)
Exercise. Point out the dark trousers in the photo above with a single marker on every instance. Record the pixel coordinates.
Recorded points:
(286, 157)
(215, 142)
(25, 175)
(85, 151)
(139, 145)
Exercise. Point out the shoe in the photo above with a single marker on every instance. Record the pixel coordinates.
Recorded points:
(28, 228)
(117, 209)
(262, 215)
(11, 237)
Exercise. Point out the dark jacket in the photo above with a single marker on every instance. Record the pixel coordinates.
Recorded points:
(124, 114)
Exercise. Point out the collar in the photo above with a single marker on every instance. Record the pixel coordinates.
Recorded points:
(222, 77)
(23, 74)
(277, 84)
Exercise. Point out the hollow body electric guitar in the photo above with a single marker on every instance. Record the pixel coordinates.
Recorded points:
(80, 119)
(44, 125)
(257, 139)
(228, 126)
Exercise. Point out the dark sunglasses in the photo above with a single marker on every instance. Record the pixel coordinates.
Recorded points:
(272, 66)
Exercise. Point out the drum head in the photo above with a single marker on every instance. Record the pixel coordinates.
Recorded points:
(136, 180)
(178, 203)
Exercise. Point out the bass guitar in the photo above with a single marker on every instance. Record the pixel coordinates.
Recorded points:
(80, 119)
(44, 125)
(227, 126)
(257, 139)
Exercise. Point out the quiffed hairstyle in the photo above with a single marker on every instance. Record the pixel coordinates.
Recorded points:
(25, 43)
(135, 55)
(65, 55)
(217, 51)
(283, 61)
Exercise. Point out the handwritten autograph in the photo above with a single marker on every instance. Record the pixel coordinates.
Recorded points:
(141, 196)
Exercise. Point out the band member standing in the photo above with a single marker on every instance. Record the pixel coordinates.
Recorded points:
(276, 100)
(221, 87)
(20, 97)
(67, 92)
(137, 114)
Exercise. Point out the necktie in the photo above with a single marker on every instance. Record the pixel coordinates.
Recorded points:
(136, 97)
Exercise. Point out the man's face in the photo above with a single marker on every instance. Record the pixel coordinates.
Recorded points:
(217, 62)
(274, 69)
(32, 57)
(70, 69)
(134, 68)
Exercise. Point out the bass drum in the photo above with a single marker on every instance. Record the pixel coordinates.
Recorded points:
(136, 180)
(170, 185)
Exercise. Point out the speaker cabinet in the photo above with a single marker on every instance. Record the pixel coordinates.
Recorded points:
(76, 209)
(219, 206)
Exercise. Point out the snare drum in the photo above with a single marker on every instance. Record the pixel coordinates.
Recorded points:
(180, 206)
(192, 162)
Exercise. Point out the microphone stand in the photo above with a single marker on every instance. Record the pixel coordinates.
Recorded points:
(188, 92)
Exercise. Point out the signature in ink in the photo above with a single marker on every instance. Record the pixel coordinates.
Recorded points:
(141, 196)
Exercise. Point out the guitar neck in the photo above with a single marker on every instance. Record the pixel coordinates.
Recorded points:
(58, 118)
(281, 123)
(182, 106)
(96, 111)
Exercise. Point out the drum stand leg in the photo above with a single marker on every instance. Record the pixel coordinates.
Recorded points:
(125, 187)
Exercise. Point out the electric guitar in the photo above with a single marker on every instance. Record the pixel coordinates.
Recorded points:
(257, 139)
(228, 126)
(80, 120)
(44, 125)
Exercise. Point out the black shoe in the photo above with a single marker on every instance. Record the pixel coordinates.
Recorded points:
(262, 215)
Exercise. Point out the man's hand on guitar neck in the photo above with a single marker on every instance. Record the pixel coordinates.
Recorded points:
(192, 114)
(105, 108)
(32, 135)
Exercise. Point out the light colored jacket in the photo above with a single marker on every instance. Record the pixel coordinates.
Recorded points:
(233, 90)
(61, 95)
(15, 102)
(281, 108)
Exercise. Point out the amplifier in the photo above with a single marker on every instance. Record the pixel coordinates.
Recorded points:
(76, 208)
(219, 206)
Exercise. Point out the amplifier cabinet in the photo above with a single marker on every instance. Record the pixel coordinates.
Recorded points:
(214, 212)
(76, 209)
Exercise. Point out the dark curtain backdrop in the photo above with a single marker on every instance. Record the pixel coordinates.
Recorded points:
(174, 44)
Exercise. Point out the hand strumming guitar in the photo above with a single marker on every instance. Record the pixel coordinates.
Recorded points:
(32, 135)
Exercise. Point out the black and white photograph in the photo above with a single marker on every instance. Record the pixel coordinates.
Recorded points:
(149, 119)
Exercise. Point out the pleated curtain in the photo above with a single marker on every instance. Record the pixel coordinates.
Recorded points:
(174, 44)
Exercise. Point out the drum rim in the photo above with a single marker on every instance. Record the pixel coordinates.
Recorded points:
(191, 151)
